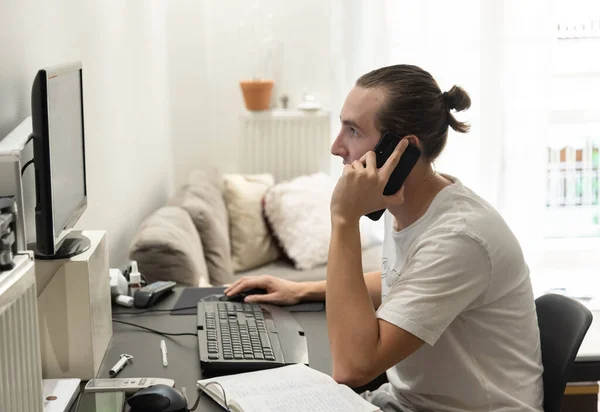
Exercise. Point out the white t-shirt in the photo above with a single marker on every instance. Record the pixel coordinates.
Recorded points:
(457, 279)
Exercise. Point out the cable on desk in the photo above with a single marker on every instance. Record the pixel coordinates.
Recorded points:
(153, 330)
(225, 404)
(154, 310)
(193, 408)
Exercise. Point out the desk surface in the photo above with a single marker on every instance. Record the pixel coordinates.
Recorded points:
(183, 356)
(184, 364)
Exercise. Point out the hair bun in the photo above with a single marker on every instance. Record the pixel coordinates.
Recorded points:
(457, 99)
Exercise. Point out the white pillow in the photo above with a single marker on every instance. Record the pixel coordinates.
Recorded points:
(251, 242)
(299, 215)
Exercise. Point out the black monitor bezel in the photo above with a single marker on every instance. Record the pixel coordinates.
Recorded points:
(46, 242)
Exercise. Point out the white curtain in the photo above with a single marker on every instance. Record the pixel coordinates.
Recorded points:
(359, 43)
(526, 79)
(499, 51)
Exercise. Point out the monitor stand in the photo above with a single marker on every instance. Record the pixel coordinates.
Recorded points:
(72, 245)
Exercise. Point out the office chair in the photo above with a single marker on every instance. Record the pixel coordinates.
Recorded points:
(563, 323)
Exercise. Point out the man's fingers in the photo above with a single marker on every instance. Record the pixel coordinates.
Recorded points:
(235, 288)
(395, 199)
(233, 285)
(357, 165)
(394, 159)
(369, 159)
(268, 298)
(363, 158)
(247, 283)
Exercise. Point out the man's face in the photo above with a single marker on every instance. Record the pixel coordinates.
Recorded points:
(358, 134)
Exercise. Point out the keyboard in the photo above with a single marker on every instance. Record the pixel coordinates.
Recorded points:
(236, 337)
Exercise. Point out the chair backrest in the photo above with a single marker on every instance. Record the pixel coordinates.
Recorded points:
(563, 323)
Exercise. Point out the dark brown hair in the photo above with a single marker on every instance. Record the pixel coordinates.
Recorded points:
(415, 105)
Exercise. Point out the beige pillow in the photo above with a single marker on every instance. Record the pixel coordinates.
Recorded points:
(202, 197)
(167, 247)
(251, 242)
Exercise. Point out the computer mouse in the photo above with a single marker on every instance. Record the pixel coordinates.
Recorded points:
(158, 398)
(239, 297)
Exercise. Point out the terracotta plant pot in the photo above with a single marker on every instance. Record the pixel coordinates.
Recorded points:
(257, 93)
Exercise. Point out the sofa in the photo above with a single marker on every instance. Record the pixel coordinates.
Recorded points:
(218, 227)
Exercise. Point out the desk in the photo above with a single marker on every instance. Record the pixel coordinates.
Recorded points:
(587, 362)
(183, 356)
(184, 364)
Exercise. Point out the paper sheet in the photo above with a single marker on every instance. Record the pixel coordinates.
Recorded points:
(268, 381)
(339, 398)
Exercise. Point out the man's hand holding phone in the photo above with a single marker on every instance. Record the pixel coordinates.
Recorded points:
(360, 189)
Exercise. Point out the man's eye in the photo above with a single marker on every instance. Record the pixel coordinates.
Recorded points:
(353, 131)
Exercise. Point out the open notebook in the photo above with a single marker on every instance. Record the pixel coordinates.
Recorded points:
(291, 388)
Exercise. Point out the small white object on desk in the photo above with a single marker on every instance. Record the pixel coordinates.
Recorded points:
(135, 279)
(123, 360)
(118, 283)
(163, 351)
(124, 300)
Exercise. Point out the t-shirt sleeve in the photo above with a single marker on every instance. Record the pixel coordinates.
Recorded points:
(446, 274)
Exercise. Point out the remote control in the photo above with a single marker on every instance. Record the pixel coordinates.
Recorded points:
(127, 385)
(149, 294)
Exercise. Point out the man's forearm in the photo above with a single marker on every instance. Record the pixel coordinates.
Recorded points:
(315, 291)
(352, 324)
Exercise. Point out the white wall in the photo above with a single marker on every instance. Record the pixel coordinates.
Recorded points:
(122, 45)
(211, 48)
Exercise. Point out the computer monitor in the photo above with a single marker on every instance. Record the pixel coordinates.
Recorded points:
(59, 159)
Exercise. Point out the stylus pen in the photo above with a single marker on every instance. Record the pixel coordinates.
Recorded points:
(163, 351)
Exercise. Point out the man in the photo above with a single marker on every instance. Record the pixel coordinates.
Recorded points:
(451, 317)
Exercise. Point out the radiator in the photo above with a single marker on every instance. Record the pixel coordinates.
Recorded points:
(20, 362)
(285, 143)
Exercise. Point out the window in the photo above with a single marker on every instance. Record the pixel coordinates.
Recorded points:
(572, 205)
(573, 171)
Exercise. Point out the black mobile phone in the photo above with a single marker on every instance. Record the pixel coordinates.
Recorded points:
(383, 150)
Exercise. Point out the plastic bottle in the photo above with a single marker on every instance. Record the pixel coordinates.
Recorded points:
(135, 279)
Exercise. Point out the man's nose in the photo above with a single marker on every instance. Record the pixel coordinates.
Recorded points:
(338, 148)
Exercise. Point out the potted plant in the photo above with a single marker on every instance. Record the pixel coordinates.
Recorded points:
(258, 33)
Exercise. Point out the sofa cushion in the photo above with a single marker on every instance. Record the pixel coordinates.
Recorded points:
(284, 269)
(299, 215)
(251, 242)
(202, 197)
(167, 247)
